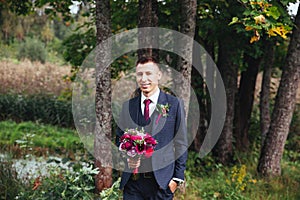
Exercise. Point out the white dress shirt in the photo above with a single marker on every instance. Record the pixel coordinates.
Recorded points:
(152, 105)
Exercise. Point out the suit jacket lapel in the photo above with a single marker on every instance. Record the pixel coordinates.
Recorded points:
(154, 125)
(159, 122)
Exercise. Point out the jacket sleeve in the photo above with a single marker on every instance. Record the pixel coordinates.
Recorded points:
(120, 125)
(180, 143)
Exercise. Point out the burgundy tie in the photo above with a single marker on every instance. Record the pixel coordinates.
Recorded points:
(146, 110)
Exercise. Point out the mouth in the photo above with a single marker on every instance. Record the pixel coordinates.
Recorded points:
(144, 85)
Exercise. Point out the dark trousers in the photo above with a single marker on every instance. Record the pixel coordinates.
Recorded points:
(145, 188)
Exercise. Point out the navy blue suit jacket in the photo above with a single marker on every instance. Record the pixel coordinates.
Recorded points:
(170, 155)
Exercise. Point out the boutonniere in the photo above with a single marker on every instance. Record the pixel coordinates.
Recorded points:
(162, 110)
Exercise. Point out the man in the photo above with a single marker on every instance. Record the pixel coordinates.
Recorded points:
(161, 174)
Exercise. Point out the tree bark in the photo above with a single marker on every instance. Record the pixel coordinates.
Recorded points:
(203, 101)
(148, 10)
(102, 148)
(223, 150)
(244, 102)
(264, 106)
(188, 25)
(271, 154)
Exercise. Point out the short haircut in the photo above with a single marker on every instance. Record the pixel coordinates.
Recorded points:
(146, 59)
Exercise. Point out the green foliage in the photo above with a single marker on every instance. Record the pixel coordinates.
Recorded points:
(9, 185)
(61, 31)
(20, 7)
(112, 193)
(292, 147)
(29, 135)
(122, 64)
(207, 180)
(119, 9)
(8, 51)
(263, 18)
(204, 179)
(63, 185)
(56, 9)
(78, 46)
(32, 49)
(55, 51)
(41, 108)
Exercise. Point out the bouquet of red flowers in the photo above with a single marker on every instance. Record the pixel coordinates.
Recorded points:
(135, 144)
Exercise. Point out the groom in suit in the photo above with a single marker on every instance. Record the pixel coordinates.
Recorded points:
(159, 175)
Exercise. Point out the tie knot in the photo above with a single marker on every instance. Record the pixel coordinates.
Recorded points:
(147, 102)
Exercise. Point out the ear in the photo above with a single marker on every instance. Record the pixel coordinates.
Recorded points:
(159, 74)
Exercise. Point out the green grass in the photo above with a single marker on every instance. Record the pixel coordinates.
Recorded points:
(29, 134)
(207, 180)
(204, 178)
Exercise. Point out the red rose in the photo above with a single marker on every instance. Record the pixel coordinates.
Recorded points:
(128, 145)
(150, 140)
(136, 137)
(140, 148)
(124, 137)
(149, 152)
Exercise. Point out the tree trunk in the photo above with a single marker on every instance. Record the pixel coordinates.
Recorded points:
(271, 154)
(148, 10)
(244, 102)
(202, 93)
(188, 25)
(223, 150)
(264, 106)
(102, 148)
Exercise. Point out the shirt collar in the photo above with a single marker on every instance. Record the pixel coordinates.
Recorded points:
(153, 97)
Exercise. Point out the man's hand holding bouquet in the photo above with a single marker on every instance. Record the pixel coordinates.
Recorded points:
(136, 144)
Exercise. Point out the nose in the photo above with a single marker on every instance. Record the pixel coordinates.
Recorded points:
(144, 77)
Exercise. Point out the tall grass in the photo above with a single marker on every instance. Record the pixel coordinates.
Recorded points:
(32, 136)
(9, 184)
(32, 78)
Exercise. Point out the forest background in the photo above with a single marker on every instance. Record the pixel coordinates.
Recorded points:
(254, 44)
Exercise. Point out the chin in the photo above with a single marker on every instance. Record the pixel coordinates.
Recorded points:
(145, 91)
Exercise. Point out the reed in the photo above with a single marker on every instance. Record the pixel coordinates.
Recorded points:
(28, 77)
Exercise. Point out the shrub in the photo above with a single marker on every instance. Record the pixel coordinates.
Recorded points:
(32, 49)
(9, 185)
(62, 185)
(41, 108)
(112, 193)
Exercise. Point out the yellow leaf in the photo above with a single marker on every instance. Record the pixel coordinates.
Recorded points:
(281, 31)
(253, 181)
(260, 19)
(271, 33)
(255, 38)
(248, 28)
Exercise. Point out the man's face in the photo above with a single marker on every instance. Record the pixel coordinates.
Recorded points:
(147, 77)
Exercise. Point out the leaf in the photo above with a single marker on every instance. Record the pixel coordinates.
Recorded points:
(255, 38)
(260, 19)
(248, 28)
(234, 20)
(273, 12)
(247, 12)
